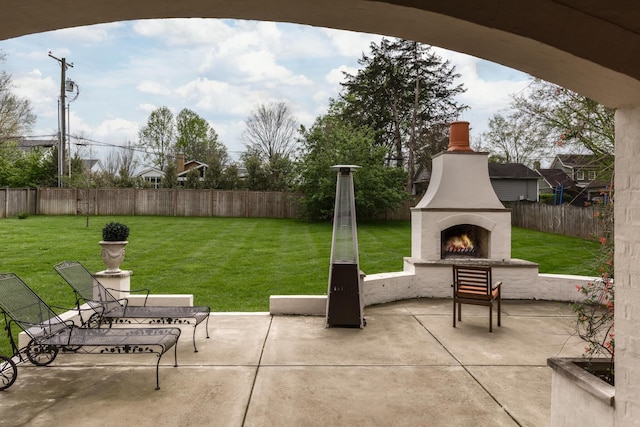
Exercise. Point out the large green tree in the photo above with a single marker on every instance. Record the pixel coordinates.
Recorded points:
(407, 95)
(196, 139)
(331, 141)
(158, 138)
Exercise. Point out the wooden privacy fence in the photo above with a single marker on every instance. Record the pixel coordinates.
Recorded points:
(14, 201)
(567, 220)
(564, 219)
(168, 202)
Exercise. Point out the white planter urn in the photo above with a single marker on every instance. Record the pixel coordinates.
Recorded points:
(113, 255)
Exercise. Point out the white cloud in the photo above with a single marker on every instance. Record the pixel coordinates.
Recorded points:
(336, 75)
(117, 130)
(349, 43)
(184, 32)
(92, 34)
(147, 108)
(153, 88)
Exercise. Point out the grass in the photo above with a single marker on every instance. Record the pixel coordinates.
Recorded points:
(234, 264)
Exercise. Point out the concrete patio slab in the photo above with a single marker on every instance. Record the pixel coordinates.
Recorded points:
(372, 396)
(408, 366)
(386, 340)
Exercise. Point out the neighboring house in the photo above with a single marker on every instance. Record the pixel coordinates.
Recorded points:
(588, 171)
(563, 188)
(511, 182)
(185, 168)
(152, 175)
(514, 182)
(421, 183)
(94, 166)
(27, 144)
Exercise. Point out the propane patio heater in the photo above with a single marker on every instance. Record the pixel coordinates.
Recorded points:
(344, 298)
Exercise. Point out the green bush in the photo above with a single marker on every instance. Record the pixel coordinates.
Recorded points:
(115, 232)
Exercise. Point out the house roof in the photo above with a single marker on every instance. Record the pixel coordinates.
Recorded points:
(192, 164)
(26, 144)
(581, 160)
(91, 163)
(496, 171)
(150, 172)
(556, 178)
(511, 171)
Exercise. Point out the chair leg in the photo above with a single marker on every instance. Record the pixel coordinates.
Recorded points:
(499, 309)
(454, 312)
(491, 317)
(459, 312)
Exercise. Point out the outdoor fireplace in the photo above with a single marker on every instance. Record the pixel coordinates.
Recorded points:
(460, 215)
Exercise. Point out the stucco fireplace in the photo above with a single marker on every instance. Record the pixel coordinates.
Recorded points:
(460, 215)
(460, 220)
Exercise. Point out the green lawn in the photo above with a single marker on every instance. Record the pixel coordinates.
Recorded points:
(234, 264)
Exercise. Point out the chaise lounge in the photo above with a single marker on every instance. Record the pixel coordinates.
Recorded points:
(106, 308)
(50, 334)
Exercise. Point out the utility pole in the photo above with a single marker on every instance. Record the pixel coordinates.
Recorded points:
(61, 116)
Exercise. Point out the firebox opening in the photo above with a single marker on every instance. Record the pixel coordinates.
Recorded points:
(464, 241)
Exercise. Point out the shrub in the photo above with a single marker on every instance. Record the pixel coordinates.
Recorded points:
(115, 232)
(595, 316)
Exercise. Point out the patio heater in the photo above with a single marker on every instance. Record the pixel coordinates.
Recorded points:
(344, 298)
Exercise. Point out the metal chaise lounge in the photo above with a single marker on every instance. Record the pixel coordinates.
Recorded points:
(50, 334)
(106, 308)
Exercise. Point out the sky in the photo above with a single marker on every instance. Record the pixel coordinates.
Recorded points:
(221, 69)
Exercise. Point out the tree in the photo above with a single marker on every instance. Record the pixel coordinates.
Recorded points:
(216, 162)
(332, 140)
(511, 140)
(230, 178)
(193, 179)
(196, 139)
(157, 137)
(170, 177)
(16, 115)
(406, 94)
(126, 166)
(270, 131)
(256, 179)
(564, 118)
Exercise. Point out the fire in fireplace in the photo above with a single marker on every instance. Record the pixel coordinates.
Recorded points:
(464, 240)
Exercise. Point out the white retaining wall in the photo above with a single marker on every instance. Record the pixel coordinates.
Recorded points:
(519, 281)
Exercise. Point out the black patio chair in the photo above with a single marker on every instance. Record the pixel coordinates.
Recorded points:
(106, 308)
(50, 334)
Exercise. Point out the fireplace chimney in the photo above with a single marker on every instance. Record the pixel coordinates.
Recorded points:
(459, 137)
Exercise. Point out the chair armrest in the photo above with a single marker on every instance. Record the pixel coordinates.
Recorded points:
(496, 285)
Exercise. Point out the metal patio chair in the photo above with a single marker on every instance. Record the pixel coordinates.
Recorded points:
(50, 334)
(473, 285)
(106, 308)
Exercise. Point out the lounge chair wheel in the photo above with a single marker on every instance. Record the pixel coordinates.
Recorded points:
(41, 355)
(8, 372)
(95, 321)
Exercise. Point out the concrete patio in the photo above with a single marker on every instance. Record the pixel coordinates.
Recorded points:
(408, 367)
